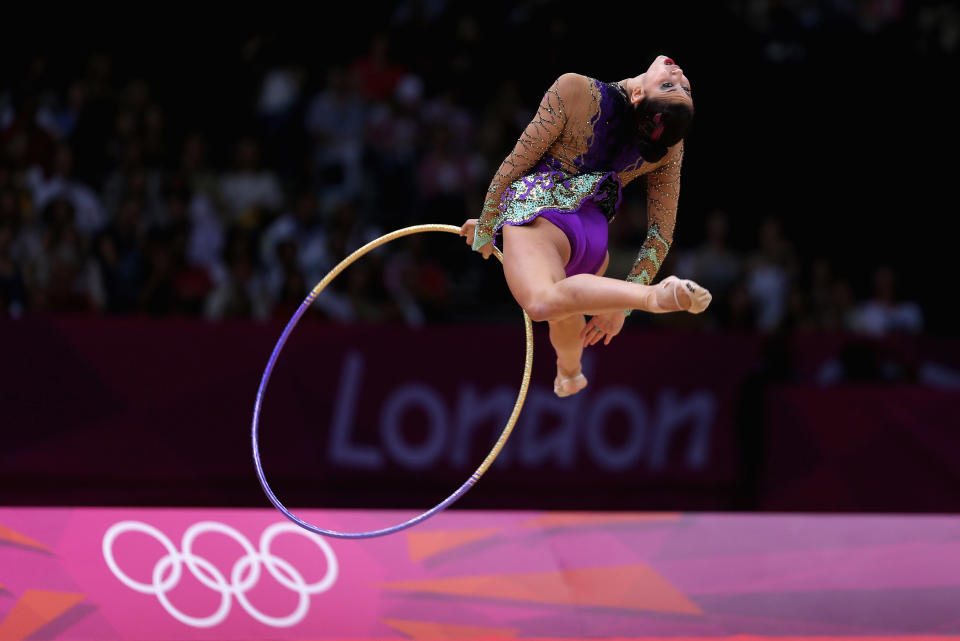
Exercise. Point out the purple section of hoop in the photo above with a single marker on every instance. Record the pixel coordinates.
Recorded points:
(263, 479)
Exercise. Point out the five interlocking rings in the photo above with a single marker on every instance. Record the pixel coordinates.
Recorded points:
(243, 576)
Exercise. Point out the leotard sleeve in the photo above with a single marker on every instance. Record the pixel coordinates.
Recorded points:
(546, 126)
(663, 191)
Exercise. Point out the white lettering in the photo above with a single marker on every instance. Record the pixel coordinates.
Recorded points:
(415, 457)
(560, 444)
(699, 410)
(342, 451)
(606, 402)
(548, 433)
(474, 411)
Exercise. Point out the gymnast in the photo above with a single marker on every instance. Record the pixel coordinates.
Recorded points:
(555, 193)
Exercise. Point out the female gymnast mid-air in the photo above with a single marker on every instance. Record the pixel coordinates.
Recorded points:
(555, 193)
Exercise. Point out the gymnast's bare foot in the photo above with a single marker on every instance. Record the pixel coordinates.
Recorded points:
(682, 295)
(568, 383)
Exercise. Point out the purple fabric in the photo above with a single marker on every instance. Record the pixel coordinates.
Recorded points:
(586, 229)
(613, 145)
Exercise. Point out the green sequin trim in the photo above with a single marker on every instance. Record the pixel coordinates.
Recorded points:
(648, 253)
(527, 197)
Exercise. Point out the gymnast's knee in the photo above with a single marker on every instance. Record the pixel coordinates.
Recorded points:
(544, 306)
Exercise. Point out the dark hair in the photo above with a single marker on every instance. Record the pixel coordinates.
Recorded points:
(662, 123)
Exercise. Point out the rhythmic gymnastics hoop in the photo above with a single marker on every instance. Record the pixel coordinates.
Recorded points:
(447, 502)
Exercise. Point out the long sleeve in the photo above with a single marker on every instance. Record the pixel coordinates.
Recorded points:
(663, 191)
(539, 135)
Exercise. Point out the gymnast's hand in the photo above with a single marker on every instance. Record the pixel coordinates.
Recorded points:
(467, 230)
(604, 326)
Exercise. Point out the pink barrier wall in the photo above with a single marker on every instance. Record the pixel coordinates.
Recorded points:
(178, 574)
(833, 448)
(164, 407)
(134, 411)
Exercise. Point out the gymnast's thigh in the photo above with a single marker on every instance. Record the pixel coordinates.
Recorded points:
(533, 259)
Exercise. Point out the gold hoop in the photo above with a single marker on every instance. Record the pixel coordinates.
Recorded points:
(501, 441)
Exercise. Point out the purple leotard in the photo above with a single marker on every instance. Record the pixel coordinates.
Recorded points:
(580, 204)
(586, 229)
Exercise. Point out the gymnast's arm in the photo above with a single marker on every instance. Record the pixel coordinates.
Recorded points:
(663, 192)
(535, 140)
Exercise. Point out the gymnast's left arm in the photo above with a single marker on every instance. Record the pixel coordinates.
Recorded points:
(663, 192)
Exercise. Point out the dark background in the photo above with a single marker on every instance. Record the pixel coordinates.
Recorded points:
(824, 135)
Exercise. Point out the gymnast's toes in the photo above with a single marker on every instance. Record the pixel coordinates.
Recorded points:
(688, 295)
(700, 297)
(568, 386)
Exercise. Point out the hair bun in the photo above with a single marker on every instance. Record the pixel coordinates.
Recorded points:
(661, 124)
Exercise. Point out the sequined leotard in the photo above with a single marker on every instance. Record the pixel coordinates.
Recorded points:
(582, 146)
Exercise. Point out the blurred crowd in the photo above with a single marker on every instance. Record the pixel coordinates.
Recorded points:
(111, 202)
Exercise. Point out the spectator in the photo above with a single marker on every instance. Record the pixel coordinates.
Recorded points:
(740, 314)
(418, 285)
(65, 278)
(58, 183)
(393, 135)
(243, 293)
(714, 265)
(279, 94)
(13, 291)
(378, 76)
(292, 291)
(302, 227)
(132, 180)
(173, 284)
(886, 313)
(207, 236)
(195, 169)
(250, 192)
(447, 180)
(24, 136)
(335, 119)
(769, 275)
(378, 146)
(119, 253)
(157, 296)
(285, 270)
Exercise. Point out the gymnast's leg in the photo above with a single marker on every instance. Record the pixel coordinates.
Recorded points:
(566, 341)
(565, 336)
(541, 256)
(534, 256)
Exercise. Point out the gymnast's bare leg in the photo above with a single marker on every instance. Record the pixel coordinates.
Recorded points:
(534, 256)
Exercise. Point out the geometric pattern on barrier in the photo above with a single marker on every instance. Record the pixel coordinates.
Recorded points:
(432, 630)
(627, 587)
(555, 520)
(469, 574)
(8, 536)
(35, 609)
(422, 545)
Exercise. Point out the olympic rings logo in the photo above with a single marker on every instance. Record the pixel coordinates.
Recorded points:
(243, 576)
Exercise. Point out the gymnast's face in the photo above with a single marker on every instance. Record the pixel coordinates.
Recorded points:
(665, 79)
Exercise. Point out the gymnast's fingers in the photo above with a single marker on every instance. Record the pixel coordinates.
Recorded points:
(587, 332)
(585, 335)
(596, 335)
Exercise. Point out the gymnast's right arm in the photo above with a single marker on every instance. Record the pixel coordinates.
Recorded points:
(536, 139)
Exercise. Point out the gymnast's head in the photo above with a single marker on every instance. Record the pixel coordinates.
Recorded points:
(663, 104)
